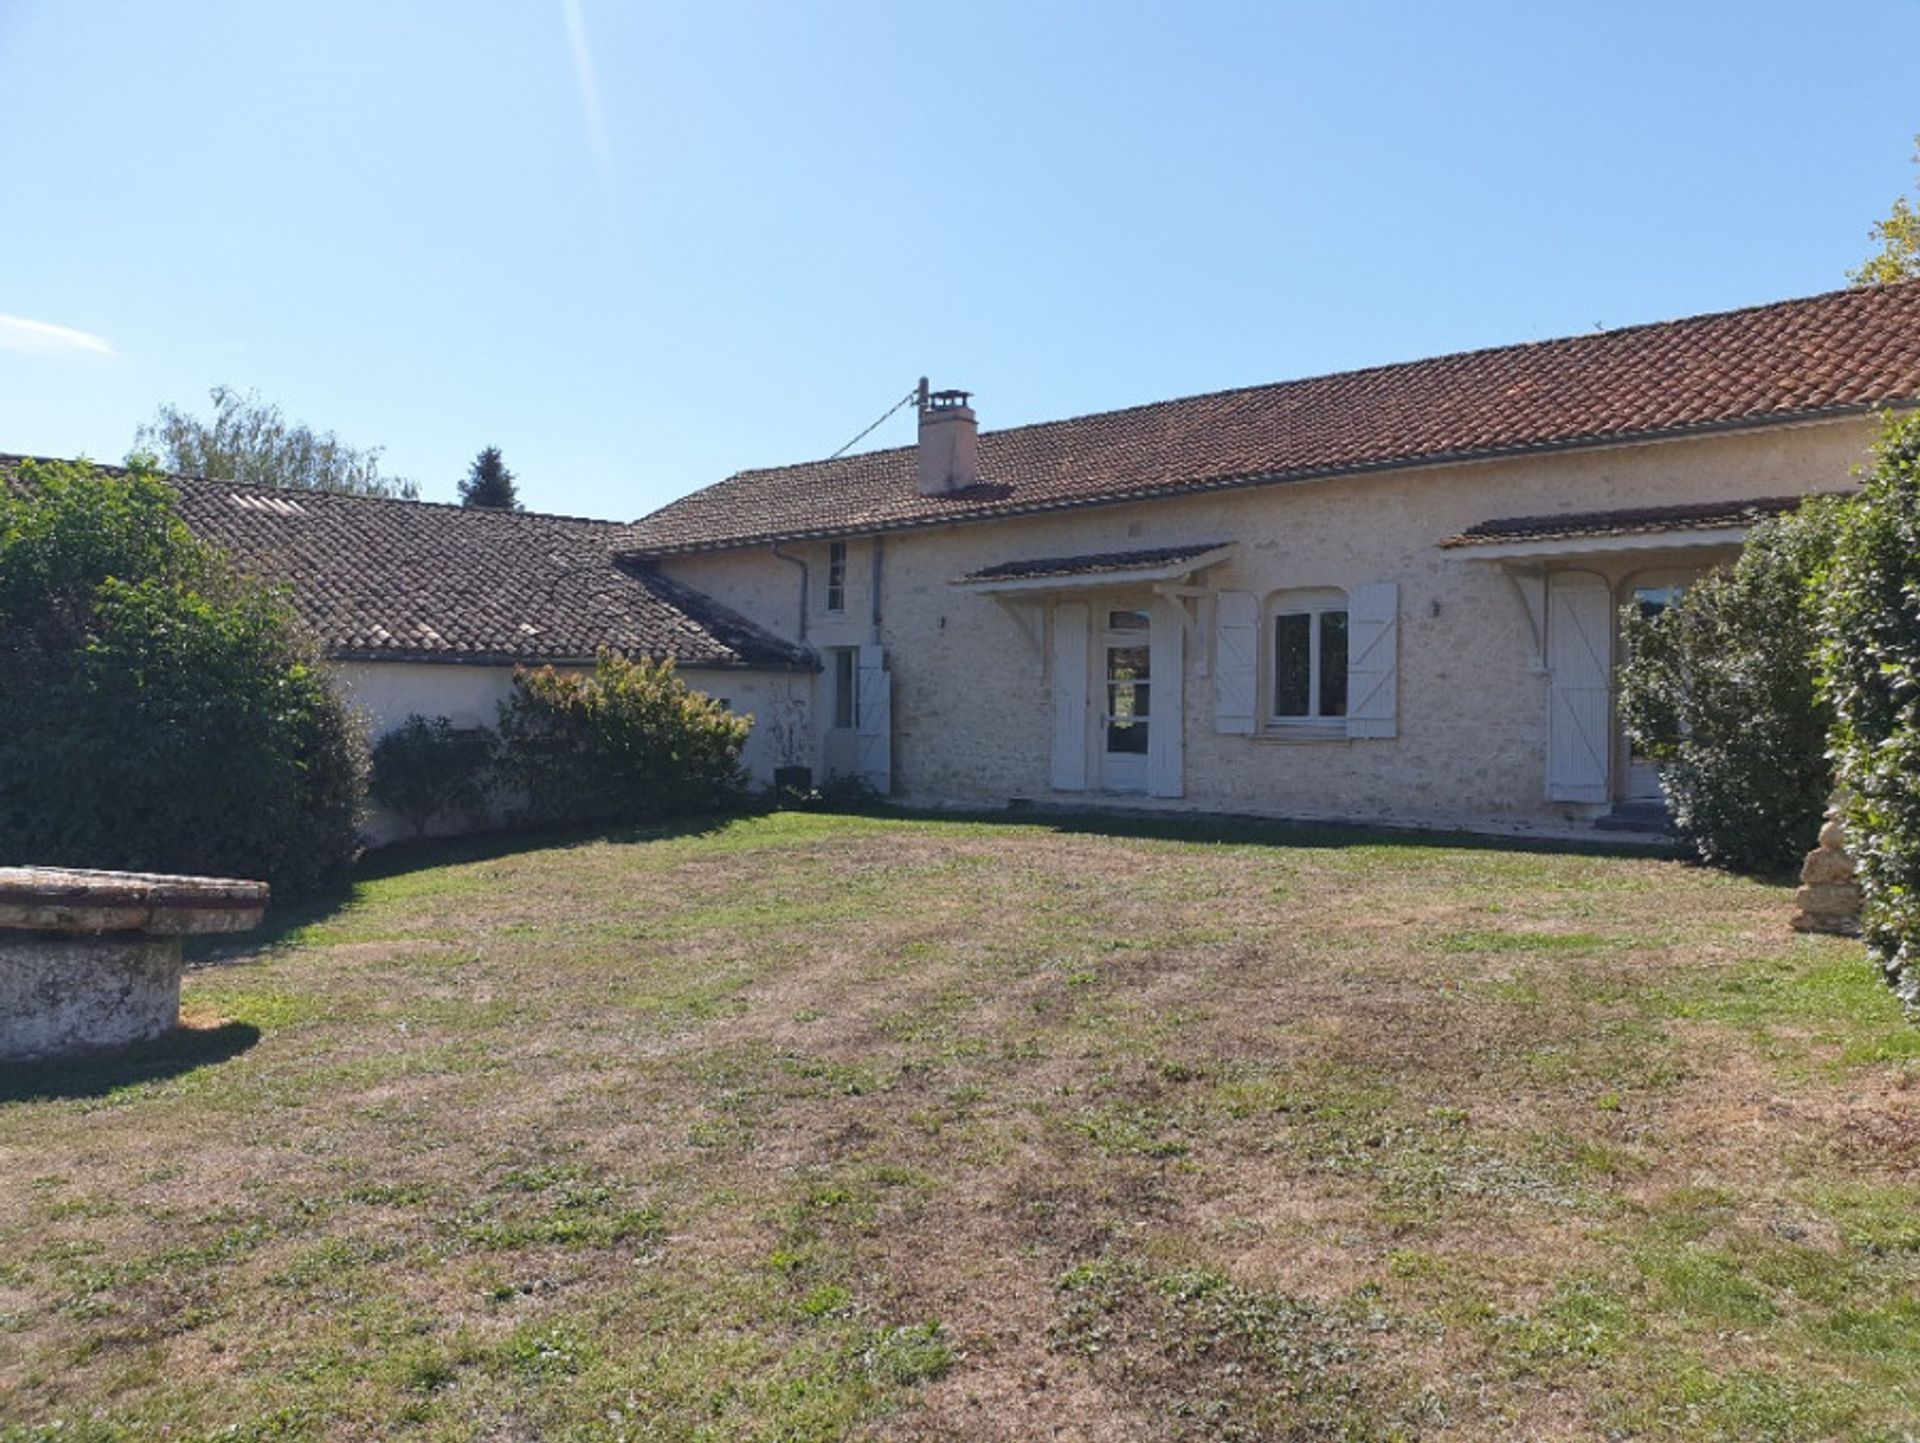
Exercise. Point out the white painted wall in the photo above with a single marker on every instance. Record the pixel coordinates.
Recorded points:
(386, 693)
(973, 717)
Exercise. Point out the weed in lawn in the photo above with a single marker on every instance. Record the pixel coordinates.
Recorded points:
(1213, 1359)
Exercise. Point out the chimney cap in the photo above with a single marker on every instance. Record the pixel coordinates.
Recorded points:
(947, 400)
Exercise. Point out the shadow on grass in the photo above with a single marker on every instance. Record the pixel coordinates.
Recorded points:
(397, 859)
(1242, 831)
(1226, 829)
(99, 1073)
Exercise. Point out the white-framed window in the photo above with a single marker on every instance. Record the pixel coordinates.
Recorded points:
(836, 576)
(846, 688)
(1307, 652)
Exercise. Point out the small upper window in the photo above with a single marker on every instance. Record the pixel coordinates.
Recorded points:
(836, 576)
(1309, 630)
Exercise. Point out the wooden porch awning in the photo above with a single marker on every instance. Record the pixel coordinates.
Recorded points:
(1106, 568)
(1645, 528)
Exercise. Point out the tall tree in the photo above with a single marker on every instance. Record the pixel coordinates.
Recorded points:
(1898, 258)
(247, 439)
(489, 483)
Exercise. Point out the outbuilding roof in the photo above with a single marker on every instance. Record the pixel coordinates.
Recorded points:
(1829, 355)
(377, 579)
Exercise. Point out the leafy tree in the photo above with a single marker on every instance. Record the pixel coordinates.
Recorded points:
(158, 712)
(632, 742)
(1870, 669)
(248, 440)
(1898, 258)
(425, 768)
(489, 483)
(1721, 689)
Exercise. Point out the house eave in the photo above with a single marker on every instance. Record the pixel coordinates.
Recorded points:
(376, 655)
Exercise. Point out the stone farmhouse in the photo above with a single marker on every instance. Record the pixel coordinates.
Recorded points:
(1384, 595)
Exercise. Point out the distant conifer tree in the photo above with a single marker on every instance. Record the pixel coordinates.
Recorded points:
(489, 483)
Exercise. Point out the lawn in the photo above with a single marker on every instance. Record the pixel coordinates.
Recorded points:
(805, 1127)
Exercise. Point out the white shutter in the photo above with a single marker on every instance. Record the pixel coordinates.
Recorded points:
(1236, 661)
(1373, 643)
(1166, 710)
(873, 748)
(1579, 652)
(1070, 640)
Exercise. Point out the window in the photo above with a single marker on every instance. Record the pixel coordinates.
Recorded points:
(1129, 682)
(846, 688)
(1309, 631)
(836, 576)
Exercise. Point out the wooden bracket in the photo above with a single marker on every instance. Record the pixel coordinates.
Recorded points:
(1030, 615)
(1530, 589)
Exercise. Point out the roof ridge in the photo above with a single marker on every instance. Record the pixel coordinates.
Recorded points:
(459, 506)
(1379, 368)
(10, 459)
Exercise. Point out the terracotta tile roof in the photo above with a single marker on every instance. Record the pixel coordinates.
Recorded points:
(1090, 565)
(1694, 516)
(1827, 355)
(378, 579)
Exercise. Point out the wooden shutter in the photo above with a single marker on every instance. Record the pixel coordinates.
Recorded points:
(1373, 644)
(1166, 769)
(1070, 640)
(1236, 661)
(873, 749)
(1579, 719)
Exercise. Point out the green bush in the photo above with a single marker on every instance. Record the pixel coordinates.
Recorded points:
(629, 743)
(1870, 669)
(1720, 688)
(425, 769)
(158, 712)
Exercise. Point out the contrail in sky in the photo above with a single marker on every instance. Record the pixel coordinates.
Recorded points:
(589, 95)
(44, 338)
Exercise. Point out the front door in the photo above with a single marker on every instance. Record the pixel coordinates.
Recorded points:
(1126, 716)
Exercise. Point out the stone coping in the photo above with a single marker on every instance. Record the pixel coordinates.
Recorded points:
(65, 899)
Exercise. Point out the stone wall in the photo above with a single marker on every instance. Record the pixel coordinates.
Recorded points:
(972, 697)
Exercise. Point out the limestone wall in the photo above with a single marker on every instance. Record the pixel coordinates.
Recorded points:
(387, 692)
(972, 707)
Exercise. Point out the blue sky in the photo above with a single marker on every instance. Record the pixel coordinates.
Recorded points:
(640, 246)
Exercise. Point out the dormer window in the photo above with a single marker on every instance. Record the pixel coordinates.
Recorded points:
(836, 576)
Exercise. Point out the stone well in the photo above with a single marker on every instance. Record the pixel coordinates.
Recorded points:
(92, 959)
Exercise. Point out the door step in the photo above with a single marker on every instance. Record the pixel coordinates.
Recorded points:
(1636, 817)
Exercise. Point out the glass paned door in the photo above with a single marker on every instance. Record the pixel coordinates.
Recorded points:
(1127, 692)
(1643, 773)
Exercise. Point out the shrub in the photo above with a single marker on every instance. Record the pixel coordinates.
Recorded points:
(1720, 688)
(425, 769)
(157, 711)
(631, 742)
(1870, 669)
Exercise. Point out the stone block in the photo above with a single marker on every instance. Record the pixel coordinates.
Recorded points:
(1824, 867)
(62, 995)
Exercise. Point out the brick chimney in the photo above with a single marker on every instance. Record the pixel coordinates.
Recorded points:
(949, 459)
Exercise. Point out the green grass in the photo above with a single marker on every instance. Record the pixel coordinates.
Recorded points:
(806, 1127)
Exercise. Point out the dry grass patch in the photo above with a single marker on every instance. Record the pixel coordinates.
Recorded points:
(810, 1128)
